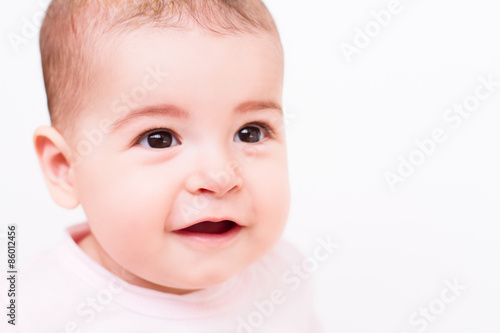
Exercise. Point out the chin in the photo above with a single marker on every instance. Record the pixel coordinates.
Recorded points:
(205, 280)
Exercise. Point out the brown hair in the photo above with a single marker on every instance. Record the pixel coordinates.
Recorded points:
(72, 30)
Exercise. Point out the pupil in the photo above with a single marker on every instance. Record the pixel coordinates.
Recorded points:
(160, 140)
(249, 134)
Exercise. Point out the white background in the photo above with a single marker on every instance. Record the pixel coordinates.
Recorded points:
(349, 124)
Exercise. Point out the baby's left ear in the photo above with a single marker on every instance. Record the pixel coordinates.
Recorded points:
(54, 155)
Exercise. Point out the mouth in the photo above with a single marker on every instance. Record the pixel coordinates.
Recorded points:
(211, 228)
(216, 234)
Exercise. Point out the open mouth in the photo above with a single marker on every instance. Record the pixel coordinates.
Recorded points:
(212, 228)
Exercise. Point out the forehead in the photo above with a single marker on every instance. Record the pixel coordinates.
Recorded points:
(188, 68)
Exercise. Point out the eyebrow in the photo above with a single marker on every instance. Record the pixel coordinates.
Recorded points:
(174, 111)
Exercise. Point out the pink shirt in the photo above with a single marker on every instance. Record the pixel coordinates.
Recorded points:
(65, 291)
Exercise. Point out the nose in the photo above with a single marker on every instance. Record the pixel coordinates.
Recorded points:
(215, 173)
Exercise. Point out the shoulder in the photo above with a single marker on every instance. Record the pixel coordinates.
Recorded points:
(40, 271)
(283, 290)
(47, 285)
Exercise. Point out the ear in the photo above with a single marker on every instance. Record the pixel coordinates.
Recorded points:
(54, 155)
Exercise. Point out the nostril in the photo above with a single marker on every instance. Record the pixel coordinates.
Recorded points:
(204, 190)
(217, 182)
(222, 184)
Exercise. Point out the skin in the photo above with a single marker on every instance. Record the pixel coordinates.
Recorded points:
(135, 196)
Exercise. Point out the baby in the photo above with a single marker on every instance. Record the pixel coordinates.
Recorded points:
(167, 127)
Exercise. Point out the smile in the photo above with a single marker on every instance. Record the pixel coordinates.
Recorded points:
(208, 227)
(209, 234)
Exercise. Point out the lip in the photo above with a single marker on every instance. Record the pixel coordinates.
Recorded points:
(203, 241)
(210, 219)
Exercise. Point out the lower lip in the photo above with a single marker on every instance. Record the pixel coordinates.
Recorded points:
(203, 241)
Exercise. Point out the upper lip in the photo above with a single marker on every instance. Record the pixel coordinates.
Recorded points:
(210, 219)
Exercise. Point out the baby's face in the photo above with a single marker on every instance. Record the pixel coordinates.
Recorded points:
(197, 135)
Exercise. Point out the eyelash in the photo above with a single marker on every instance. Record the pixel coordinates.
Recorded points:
(153, 130)
(268, 130)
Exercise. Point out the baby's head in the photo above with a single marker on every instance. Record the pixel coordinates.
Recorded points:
(167, 128)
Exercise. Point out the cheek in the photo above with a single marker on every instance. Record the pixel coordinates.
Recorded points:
(124, 201)
(270, 190)
(269, 181)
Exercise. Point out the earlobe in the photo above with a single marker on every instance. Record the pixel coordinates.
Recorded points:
(54, 155)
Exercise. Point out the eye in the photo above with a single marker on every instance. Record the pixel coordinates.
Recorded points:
(250, 134)
(158, 140)
(254, 132)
